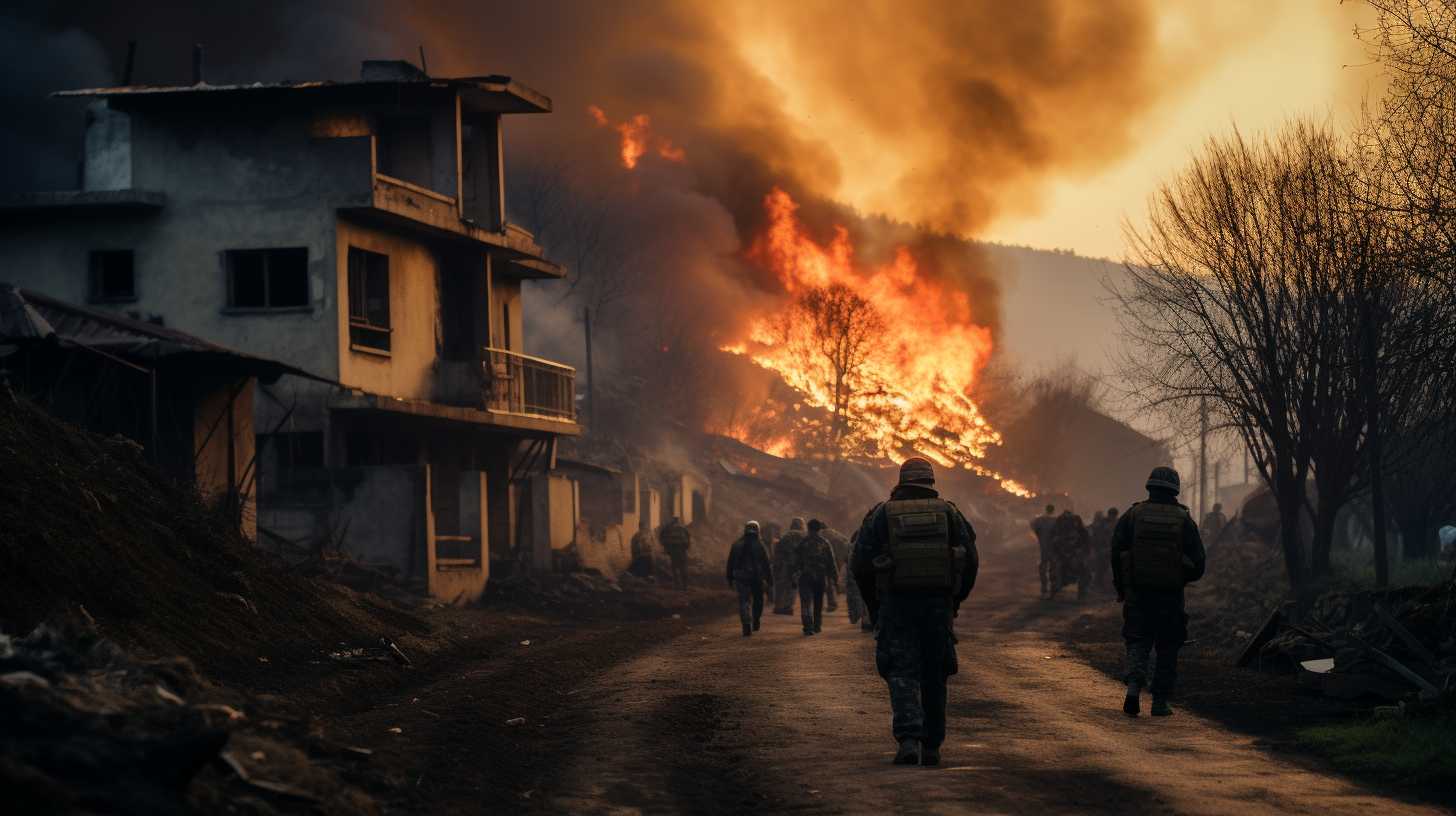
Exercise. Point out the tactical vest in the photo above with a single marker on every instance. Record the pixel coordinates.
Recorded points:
(1157, 545)
(920, 545)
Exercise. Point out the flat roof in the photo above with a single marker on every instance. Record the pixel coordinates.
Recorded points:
(499, 94)
(83, 200)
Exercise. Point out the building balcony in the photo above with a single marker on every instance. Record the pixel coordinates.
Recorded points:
(529, 386)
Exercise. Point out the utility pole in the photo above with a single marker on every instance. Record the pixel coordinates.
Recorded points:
(591, 390)
(1217, 479)
(1202, 455)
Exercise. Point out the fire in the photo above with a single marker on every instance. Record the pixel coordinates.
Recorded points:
(914, 389)
(637, 137)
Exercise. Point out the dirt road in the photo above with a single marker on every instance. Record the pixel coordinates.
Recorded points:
(713, 723)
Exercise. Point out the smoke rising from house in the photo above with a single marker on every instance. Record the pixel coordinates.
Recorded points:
(909, 125)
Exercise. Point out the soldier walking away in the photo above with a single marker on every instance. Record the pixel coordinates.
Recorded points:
(1100, 565)
(816, 569)
(915, 561)
(677, 540)
(1042, 527)
(641, 565)
(1070, 546)
(1214, 522)
(783, 563)
(748, 569)
(839, 545)
(853, 600)
(1156, 551)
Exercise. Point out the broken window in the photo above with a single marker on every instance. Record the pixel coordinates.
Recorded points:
(267, 278)
(403, 149)
(113, 276)
(368, 299)
(286, 460)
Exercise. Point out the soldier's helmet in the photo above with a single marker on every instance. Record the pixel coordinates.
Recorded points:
(815, 525)
(1218, 507)
(1164, 478)
(1051, 508)
(917, 471)
(751, 528)
(1112, 512)
(796, 524)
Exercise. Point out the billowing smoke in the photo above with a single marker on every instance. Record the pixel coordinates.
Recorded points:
(910, 123)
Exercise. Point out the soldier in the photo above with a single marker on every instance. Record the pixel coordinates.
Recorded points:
(783, 564)
(1070, 547)
(816, 569)
(1214, 521)
(641, 565)
(853, 600)
(677, 540)
(1042, 526)
(1156, 551)
(839, 545)
(915, 562)
(1100, 561)
(748, 569)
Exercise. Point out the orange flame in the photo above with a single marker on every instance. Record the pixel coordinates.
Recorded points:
(915, 390)
(636, 134)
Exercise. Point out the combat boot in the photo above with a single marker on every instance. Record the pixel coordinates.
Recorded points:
(755, 624)
(909, 753)
(929, 757)
(1130, 703)
(1161, 707)
(747, 630)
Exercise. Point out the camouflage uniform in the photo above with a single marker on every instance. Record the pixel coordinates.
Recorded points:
(816, 568)
(1070, 546)
(1153, 618)
(1100, 564)
(748, 569)
(783, 566)
(677, 540)
(1042, 527)
(915, 641)
(853, 599)
(840, 547)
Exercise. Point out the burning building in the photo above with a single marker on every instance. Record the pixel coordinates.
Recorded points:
(356, 230)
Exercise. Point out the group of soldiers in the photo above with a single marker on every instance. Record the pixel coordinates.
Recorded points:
(676, 540)
(804, 563)
(1073, 552)
(914, 562)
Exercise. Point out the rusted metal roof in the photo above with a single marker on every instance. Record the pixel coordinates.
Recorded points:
(27, 316)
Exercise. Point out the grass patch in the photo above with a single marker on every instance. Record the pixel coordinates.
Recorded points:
(1406, 751)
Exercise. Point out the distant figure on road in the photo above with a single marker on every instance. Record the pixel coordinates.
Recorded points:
(915, 562)
(642, 565)
(1070, 546)
(852, 597)
(1042, 525)
(677, 540)
(785, 583)
(1100, 561)
(748, 569)
(839, 545)
(816, 569)
(1156, 551)
(1214, 522)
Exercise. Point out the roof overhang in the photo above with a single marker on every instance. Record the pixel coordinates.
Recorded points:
(84, 200)
(490, 94)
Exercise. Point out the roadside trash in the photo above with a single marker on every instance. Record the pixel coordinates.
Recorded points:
(395, 730)
(525, 643)
(514, 721)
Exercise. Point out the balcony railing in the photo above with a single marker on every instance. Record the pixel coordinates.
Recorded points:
(529, 386)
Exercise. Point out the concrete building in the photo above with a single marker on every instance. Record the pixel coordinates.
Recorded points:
(355, 230)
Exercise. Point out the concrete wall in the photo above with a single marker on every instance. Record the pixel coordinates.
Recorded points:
(554, 517)
(505, 295)
(414, 310)
(387, 518)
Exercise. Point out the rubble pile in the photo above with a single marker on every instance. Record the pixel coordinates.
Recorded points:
(1245, 580)
(86, 727)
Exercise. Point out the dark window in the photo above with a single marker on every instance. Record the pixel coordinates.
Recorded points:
(267, 278)
(629, 497)
(289, 461)
(368, 299)
(113, 276)
(403, 149)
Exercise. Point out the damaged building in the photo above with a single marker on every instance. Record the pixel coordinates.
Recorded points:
(355, 230)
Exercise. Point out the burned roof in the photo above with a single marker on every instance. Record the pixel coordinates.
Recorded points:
(496, 93)
(27, 316)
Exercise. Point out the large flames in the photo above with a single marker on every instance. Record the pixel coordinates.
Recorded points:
(913, 391)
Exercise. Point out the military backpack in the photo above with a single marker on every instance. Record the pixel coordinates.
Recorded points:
(920, 545)
(1157, 545)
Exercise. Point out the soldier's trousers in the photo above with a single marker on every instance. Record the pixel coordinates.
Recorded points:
(1046, 569)
(853, 601)
(784, 588)
(1154, 625)
(750, 601)
(811, 602)
(831, 596)
(915, 653)
(679, 570)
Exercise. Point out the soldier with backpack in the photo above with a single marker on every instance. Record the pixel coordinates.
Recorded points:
(915, 562)
(1156, 551)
